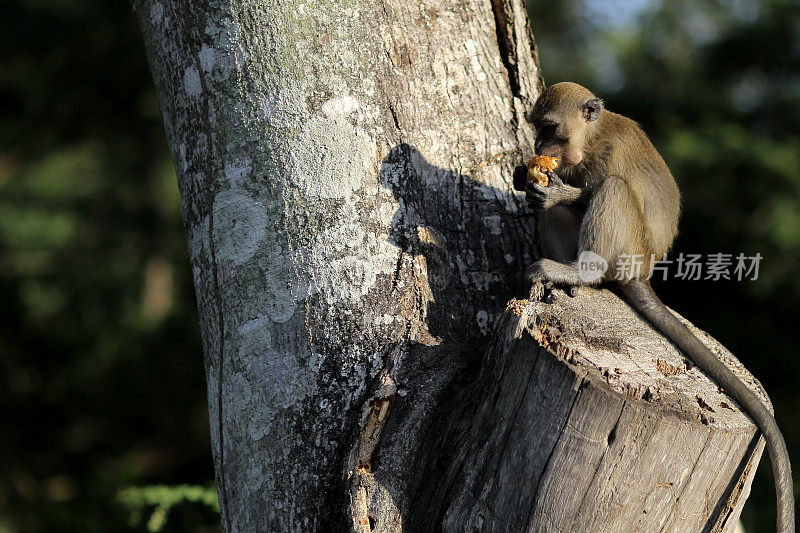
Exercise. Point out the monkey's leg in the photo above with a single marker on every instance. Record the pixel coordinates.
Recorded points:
(614, 226)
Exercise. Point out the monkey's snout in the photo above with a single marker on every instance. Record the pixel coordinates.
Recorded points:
(520, 177)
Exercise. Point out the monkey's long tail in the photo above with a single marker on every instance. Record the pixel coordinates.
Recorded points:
(645, 300)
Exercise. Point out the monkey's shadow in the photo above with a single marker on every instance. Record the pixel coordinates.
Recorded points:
(477, 241)
(466, 246)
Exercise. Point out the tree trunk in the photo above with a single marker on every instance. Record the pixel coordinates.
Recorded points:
(585, 419)
(345, 175)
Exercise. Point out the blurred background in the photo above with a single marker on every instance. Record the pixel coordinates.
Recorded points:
(100, 357)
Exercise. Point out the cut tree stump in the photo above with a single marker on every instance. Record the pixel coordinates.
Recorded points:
(587, 419)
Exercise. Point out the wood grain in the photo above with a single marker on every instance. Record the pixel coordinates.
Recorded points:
(591, 421)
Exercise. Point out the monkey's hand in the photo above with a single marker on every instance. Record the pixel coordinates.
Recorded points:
(558, 192)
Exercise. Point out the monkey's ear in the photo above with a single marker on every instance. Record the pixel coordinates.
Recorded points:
(592, 109)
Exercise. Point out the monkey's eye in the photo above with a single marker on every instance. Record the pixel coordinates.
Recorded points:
(548, 127)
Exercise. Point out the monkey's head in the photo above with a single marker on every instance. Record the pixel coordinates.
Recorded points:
(565, 116)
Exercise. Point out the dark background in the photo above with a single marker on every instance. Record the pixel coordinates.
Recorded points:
(100, 357)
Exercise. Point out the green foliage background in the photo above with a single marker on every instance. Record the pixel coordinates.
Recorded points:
(100, 357)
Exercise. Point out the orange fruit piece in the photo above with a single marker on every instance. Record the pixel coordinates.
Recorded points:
(538, 166)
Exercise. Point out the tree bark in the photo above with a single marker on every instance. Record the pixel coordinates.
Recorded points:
(345, 176)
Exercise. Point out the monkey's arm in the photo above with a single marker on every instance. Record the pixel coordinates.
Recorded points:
(557, 193)
(549, 270)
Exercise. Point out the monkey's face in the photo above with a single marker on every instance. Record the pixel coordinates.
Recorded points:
(557, 136)
(564, 117)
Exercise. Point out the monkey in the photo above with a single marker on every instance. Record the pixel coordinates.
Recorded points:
(613, 195)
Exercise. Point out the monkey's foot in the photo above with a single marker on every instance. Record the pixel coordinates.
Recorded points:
(549, 270)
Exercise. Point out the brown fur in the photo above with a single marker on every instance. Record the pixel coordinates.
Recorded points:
(634, 201)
